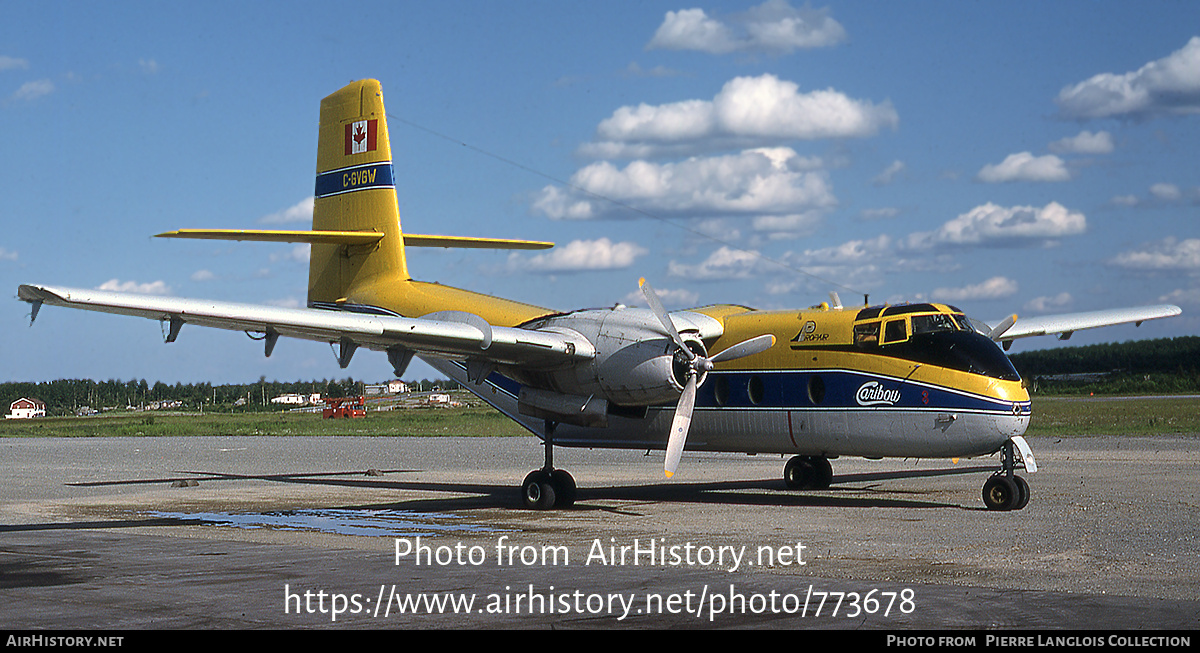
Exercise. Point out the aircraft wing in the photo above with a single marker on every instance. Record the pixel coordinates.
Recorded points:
(455, 336)
(1065, 325)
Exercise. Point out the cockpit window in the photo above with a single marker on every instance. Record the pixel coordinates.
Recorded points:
(866, 334)
(933, 323)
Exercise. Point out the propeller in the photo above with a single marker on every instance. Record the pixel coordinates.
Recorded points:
(698, 366)
(1000, 329)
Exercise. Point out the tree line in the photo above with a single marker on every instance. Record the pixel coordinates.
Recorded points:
(68, 396)
(1166, 365)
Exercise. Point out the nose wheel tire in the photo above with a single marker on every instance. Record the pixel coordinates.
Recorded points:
(1003, 492)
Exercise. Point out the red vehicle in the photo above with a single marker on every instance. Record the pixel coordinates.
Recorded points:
(344, 407)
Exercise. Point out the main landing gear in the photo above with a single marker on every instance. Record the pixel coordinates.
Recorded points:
(547, 488)
(808, 473)
(1005, 490)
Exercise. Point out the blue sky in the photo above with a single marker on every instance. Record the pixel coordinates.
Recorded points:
(1005, 157)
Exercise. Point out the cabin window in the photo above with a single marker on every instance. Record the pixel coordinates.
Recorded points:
(895, 331)
(721, 390)
(816, 390)
(754, 388)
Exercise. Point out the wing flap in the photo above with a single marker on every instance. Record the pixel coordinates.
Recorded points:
(446, 339)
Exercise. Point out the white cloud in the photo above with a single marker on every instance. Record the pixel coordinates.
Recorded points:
(788, 226)
(1055, 303)
(152, 288)
(580, 255)
(203, 275)
(992, 224)
(33, 90)
(1185, 296)
(854, 252)
(7, 255)
(773, 27)
(13, 63)
(1084, 142)
(747, 111)
(724, 263)
(297, 254)
(889, 174)
(1167, 254)
(1024, 166)
(1167, 86)
(299, 212)
(1166, 192)
(994, 288)
(753, 182)
(148, 66)
(1125, 200)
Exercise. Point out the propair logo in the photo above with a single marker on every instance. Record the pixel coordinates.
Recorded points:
(872, 393)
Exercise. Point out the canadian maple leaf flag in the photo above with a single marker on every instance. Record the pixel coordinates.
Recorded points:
(360, 136)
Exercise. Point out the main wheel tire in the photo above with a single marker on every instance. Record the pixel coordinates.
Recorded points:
(798, 473)
(1001, 493)
(537, 491)
(564, 488)
(822, 473)
(808, 473)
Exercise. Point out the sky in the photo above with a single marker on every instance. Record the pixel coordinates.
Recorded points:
(1027, 157)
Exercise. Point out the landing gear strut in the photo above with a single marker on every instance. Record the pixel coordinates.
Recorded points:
(808, 473)
(547, 488)
(1005, 490)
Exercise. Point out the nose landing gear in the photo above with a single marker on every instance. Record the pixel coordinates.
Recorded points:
(1005, 490)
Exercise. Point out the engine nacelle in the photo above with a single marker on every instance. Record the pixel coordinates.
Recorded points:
(636, 364)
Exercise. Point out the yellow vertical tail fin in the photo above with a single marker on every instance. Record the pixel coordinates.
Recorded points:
(355, 191)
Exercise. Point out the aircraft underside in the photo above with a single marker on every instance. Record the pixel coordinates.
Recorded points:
(949, 424)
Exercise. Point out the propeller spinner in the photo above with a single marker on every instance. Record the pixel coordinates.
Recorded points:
(697, 367)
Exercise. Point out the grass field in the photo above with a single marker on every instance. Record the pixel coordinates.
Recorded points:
(423, 422)
(1115, 416)
(1059, 416)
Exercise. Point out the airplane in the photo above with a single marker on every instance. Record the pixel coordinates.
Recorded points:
(918, 380)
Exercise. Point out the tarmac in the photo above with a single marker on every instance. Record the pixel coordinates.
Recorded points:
(373, 533)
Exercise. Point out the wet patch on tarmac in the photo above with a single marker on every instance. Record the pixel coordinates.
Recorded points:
(364, 523)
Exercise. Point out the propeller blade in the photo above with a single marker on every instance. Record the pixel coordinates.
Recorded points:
(745, 348)
(661, 313)
(680, 425)
(1002, 327)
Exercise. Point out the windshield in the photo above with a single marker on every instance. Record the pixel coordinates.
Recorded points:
(965, 351)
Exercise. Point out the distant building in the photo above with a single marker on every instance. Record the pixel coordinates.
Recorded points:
(25, 408)
(290, 399)
(395, 387)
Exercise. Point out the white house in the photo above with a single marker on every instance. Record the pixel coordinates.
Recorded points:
(25, 408)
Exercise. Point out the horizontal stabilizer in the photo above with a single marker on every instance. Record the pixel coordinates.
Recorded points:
(353, 238)
(277, 236)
